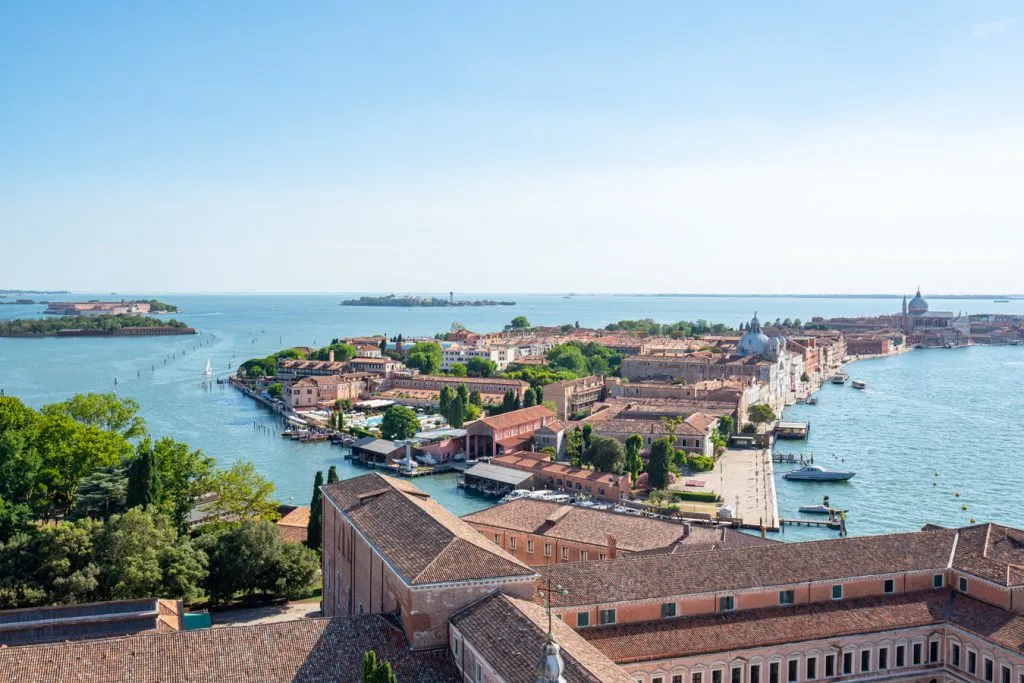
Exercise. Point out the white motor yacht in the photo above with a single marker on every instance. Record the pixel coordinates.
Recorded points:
(817, 473)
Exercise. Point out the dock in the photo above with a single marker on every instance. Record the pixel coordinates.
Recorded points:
(792, 430)
(792, 459)
(833, 523)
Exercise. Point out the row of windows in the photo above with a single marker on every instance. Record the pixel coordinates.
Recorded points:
(727, 603)
(988, 666)
(569, 485)
(513, 544)
(831, 666)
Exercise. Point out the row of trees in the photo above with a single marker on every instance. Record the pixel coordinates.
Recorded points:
(37, 327)
(678, 330)
(342, 351)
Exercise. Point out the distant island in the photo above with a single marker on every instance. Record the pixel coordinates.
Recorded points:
(93, 326)
(5, 292)
(420, 302)
(97, 307)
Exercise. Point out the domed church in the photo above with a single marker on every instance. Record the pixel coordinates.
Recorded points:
(756, 343)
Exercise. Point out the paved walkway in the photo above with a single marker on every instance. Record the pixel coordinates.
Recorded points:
(266, 615)
(749, 476)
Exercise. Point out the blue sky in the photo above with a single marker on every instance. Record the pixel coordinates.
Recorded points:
(529, 146)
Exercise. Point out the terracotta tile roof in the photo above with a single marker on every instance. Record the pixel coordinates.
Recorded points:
(294, 525)
(509, 633)
(993, 552)
(689, 636)
(774, 564)
(299, 651)
(552, 469)
(573, 523)
(998, 625)
(421, 539)
(516, 417)
(652, 426)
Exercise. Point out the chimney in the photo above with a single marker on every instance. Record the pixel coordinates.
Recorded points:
(612, 547)
(330, 355)
(686, 530)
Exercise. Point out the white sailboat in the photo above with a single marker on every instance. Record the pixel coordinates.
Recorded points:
(208, 372)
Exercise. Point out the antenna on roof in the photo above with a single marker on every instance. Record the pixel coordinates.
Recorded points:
(551, 665)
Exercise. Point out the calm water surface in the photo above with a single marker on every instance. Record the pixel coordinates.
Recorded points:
(957, 413)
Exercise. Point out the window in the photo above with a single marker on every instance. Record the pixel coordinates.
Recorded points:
(865, 660)
(773, 672)
(600, 556)
(607, 616)
(972, 662)
(668, 609)
(917, 653)
(933, 651)
(787, 597)
(658, 679)
(901, 654)
(726, 603)
(479, 673)
(547, 550)
(565, 553)
(529, 546)
(847, 662)
(1004, 675)
(497, 538)
(812, 668)
(793, 672)
(938, 581)
(954, 652)
(455, 647)
(512, 543)
(328, 574)
(837, 592)
(889, 586)
(678, 678)
(582, 619)
(716, 676)
(963, 585)
(755, 673)
(736, 675)
(696, 677)
(883, 658)
(830, 666)
(989, 670)
(584, 555)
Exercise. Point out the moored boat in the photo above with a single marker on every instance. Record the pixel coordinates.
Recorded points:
(840, 378)
(817, 473)
(857, 384)
(825, 508)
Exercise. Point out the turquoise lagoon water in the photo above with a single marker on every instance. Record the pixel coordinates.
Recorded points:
(957, 413)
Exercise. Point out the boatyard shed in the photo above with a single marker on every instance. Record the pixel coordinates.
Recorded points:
(372, 451)
(495, 480)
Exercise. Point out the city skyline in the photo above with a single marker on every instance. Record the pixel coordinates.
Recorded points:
(257, 148)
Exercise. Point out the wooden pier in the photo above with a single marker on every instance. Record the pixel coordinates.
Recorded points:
(793, 458)
(835, 522)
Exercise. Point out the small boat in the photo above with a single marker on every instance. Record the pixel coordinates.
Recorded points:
(208, 372)
(824, 509)
(817, 473)
(1001, 301)
(811, 401)
(857, 384)
(840, 378)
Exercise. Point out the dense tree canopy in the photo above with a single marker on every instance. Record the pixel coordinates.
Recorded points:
(342, 352)
(677, 330)
(481, 367)
(659, 462)
(607, 454)
(399, 422)
(760, 413)
(427, 357)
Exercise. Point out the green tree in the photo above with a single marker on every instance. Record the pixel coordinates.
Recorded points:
(14, 518)
(726, 426)
(342, 352)
(607, 455)
(481, 367)
(143, 479)
(332, 474)
(659, 462)
(672, 425)
(475, 399)
(458, 370)
(569, 357)
(508, 402)
(529, 398)
(445, 398)
(588, 431)
(102, 493)
(760, 413)
(804, 377)
(184, 474)
(315, 529)
(105, 411)
(456, 413)
(399, 422)
(574, 447)
(242, 493)
(520, 323)
(139, 554)
(376, 670)
(634, 463)
(276, 390)
(427, 357)
(463, 393)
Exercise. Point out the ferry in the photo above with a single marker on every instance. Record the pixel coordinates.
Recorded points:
(840, 378)
(857, 384)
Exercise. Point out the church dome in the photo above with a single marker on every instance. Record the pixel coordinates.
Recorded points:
(754, 342)
(917, 305)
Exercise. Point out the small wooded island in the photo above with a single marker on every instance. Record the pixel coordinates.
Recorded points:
(120, 325)
(420, 302)
(95, 306)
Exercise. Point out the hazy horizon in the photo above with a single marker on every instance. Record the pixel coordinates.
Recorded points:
(586, 144)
